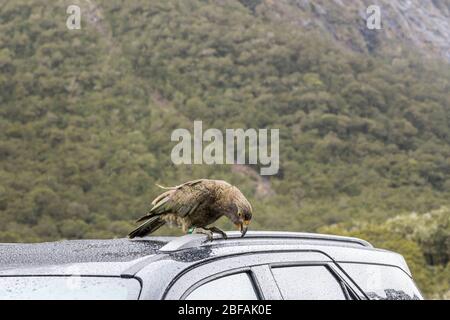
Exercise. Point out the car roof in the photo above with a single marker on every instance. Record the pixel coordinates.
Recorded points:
(121, 250)
(127, 257)
(72, 251)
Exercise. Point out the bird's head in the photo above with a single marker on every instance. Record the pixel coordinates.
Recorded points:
(245, 219)
(241, 215)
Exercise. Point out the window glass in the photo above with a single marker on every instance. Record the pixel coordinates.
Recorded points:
(68, 288)
(307, 283)
(382, 282)
(234, 287)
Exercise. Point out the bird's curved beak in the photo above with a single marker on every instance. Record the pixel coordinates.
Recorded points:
(244, 227)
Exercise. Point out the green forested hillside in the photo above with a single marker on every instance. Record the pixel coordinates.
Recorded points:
(86, 117)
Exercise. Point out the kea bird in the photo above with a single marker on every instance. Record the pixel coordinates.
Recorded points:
(194, 205)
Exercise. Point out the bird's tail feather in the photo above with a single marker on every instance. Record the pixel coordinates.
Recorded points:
(147, 227)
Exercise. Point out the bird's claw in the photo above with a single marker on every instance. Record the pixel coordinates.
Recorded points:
(217, 230)
(209, 232)
(206, 232)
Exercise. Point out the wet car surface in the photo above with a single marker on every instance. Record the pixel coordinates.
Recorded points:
(263, 265)
(75, 251)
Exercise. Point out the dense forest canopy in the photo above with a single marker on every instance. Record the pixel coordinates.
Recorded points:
(86, 117)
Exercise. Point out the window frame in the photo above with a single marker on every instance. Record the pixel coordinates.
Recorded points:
(224, 275)
(360, 289)
(347, 290)
(258, 266)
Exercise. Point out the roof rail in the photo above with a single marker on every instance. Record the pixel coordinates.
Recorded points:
(197, 240)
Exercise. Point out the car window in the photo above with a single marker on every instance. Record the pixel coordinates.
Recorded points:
(382, 282)
(68, 288)
(307, 283)
(238, 286)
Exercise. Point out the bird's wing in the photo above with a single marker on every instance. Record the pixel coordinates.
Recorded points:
(165, 194)
(181, 200)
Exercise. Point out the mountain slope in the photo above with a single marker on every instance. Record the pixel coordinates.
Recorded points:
(423, 26)
(87, 114)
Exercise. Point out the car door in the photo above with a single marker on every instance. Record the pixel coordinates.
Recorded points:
(266, 276)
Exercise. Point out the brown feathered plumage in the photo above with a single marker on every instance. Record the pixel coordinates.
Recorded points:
(196, 204)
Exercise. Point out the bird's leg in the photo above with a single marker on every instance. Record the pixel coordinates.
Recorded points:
(219, 231)
(207, 232)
